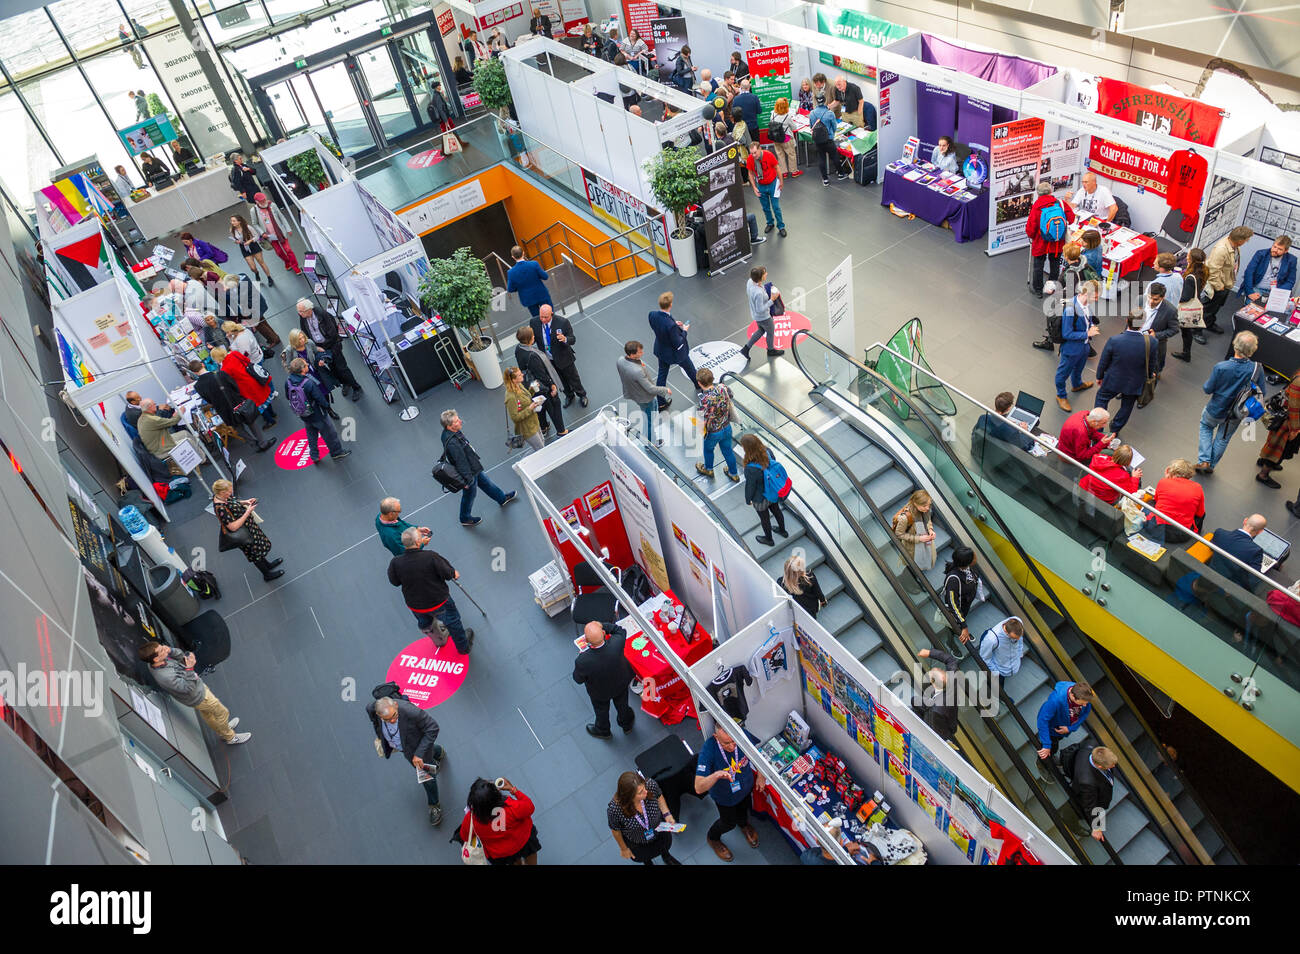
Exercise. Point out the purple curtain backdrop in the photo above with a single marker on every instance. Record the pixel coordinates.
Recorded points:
(1013, 72)
(936, 113)
(974, 122)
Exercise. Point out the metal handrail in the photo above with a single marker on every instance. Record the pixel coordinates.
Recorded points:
(1012, 751)
(1141, 774)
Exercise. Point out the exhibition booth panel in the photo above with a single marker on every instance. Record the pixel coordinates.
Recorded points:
(831, 740)
(276, 159)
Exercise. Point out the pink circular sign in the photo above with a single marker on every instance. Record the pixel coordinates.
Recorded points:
(786, 326)
(429, 675)
(292, 453)
(423, 160)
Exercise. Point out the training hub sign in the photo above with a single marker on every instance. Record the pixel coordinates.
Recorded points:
(429, 674)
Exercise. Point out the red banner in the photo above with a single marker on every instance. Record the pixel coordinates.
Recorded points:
(769, 61)
(1165, 113)
(637, 15)
(446, 22)
(1128, 165)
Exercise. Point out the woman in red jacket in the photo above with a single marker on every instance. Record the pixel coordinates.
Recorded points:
(1042, 248)
(236, 365)
(503, 821)
(1116, 470)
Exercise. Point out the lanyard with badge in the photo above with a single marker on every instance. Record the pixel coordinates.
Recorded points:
(643, 818)
(734, 768)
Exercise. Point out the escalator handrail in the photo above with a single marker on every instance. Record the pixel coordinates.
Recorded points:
(1067, 833)
(1162, 797)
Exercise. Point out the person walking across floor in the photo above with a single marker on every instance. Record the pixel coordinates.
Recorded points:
(543, 379)
(243, 235)
(1077, 330)
(780, 129)
(728, 776)
(318, 363)
(634, 815)
(410, 731)
(765, 179)
(1222, 265)
(801, 583)
(1283, 437)
(273, 227)
(528, 279)
(554, 334)
(423, 576)
(1064, 711)
(461, 455)
(521, 409)
(390, 526)
(1049, 220)
(671, 346)
(1191, 310)
(1122, 370)
(761, 473)
(173, 672)
(500, 818)
(323, 328)
(239, 526)
(761, 297)
(638, 388)
(1225, 385)
(310, 402)
(603, 670)
(1160, 321)
(243, 179)
(714, 405)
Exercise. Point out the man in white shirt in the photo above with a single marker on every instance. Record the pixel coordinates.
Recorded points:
(1094, 199)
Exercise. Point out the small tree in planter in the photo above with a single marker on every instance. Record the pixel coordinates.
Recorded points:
(308, 167)
(675, 185)
(459, 290)
(491, 85)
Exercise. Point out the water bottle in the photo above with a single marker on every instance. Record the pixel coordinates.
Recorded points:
(131, 519)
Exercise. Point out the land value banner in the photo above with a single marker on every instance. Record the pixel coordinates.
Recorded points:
(725, 230)
(1165, 113)
(1014, 162)
(860, 28)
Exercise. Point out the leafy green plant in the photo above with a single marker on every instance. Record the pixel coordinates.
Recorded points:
(491, 85)
(458, 289)
(331, 145)
(307, 167)
(675, 184)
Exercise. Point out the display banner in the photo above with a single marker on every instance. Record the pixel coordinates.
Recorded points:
(667, 37)
(768, 92)
(974, 121)
(172, 54)
(860, 28)
(638, 520)
(1061, 164)
(639, 15)
(622, 210)
(1013, 176)
(723, 204)
(1165, 113)
(1114, 161)
(839, 306)
(769, 61)
(936, 113)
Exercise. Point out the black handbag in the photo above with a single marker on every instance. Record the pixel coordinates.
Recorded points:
(445, 473)
(246, 410)
(234, 539)
(1149, 383)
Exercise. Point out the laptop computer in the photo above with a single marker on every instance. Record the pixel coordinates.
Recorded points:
(1275, 549)
(1027, 411)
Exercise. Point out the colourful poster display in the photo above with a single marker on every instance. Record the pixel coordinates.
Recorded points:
(1013, 176)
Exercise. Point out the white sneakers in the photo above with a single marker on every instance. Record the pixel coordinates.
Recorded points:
(239, 738)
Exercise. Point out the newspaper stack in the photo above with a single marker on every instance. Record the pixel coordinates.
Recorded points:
(550, 588)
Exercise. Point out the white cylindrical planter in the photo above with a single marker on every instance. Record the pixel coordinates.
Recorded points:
(488, 366)
(683, 250)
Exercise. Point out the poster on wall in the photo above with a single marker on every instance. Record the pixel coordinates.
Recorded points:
(1013, 177)
(1223, 209)
(1271, 215)
(667, 37)
(723, 204)
(639, 15)
(1061, 164)
(851, 25)
(1164, 113)
(623, 210)
(769, 76)
(172, 55)
(1114, 161)
(638, 520)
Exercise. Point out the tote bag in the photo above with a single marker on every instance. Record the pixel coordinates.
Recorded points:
(1191, 314)
(472, 852)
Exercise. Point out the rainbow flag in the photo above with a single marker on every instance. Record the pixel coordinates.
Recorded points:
(65, 197)
(73, 365)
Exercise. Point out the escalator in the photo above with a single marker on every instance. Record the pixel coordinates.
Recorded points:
(853, 415)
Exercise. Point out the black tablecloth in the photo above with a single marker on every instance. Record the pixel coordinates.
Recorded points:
(1278, 353)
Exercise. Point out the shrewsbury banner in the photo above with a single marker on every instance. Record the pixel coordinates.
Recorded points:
(1128, 165)
(860, 28)
(1162, 112)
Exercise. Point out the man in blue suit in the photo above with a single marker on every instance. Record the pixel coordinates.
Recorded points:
(1062, 712)
(1240, 544)
(1269, 267)
(671, 346)
(527, 278)
(1122, 369)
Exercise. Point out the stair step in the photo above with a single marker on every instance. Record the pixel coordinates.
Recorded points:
(839, 614)
(843, 439)
(1027, 680)
(1209, 838)
(1189, 809)
(889, 488)
(860, 639)
(1145, 848)
(1131, 729)
(984, 616)
(1123, 822)
(881, 663)
(773, 556)
(868, 462)
(1168, 781)
(1225, 857)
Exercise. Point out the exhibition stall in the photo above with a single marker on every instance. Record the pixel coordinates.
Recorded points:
(716, 640)
(187, 200)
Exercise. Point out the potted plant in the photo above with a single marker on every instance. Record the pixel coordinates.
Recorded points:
(458, 289)
(308, 167)
(492, 87)
(676, 184)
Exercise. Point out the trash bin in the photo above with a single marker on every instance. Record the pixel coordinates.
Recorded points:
(172, 599)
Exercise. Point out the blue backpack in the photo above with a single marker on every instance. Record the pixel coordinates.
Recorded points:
(776, 482)
(1051, 222)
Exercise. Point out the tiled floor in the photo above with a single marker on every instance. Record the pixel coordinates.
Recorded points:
(309, 647)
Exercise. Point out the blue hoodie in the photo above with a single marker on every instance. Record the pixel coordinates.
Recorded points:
(1055, 712)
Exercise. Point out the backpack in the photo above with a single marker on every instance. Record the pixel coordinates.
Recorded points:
(776, 482)
(1247, 404)
(202, 584)
(820, 134)
(1051, 222)
(776, 130)
(299, 402)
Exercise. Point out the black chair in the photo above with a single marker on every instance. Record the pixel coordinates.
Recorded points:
(1172, 237)
(597, 606)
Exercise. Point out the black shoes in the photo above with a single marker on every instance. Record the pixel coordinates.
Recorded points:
(775, 352)
(568, 399)
(782, 233)
(582, 400)
(356, 394)
(770, 227)
(1292, 509)
(1180, 355)
(595, 733)
(744, 352)
(1268, 481)
(265, 445)
(274, 563)
(273, 575)
(782, 532)
(1214, 329)
(765, 540)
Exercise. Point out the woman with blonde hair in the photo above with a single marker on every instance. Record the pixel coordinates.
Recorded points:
(805, 94)
(301, 346)
(521, 410)
(239, 529)
(915, 511)
(243, 340)
(782, 125)
(801, 583)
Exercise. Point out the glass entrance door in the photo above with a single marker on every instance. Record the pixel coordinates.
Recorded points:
(390, 100)
(342, 106)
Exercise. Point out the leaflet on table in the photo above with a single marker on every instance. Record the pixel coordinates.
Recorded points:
(913, 175)
(1279, 300)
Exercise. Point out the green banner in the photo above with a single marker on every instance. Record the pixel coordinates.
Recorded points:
(768, 92)
(860, 28)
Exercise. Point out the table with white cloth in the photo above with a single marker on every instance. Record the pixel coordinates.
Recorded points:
(178, 206)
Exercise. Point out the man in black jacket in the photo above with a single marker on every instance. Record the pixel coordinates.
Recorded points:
(461, 455)
(1121, 370)
(1159, 318)
(220, 392)
(540, 24)
(939, 699)
(538, 369)
(323, 329)
(403, 727)
(1091, 772)
(243, 179)
(309, 401)
(605, 673)
(554, 335)
(423, 576)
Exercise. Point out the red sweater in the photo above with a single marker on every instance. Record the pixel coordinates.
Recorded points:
(508, 834)
(1105, 466)
(1181, 499)
(1078, 439)
(236, 365)
(1039, 244)
(767, 174)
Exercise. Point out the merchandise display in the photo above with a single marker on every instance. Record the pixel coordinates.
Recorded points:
(927, 192)
(1123, 251)
(1278, 333)
(664, 695)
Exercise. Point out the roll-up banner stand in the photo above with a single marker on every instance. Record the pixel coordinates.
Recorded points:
(1015, 159)
(723, 205)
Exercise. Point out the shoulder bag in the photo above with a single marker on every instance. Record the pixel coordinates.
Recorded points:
(233, 539)
(472, 853)
(1149, 382)
(513, 440)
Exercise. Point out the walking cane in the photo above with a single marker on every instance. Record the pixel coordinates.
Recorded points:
(471, 599)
